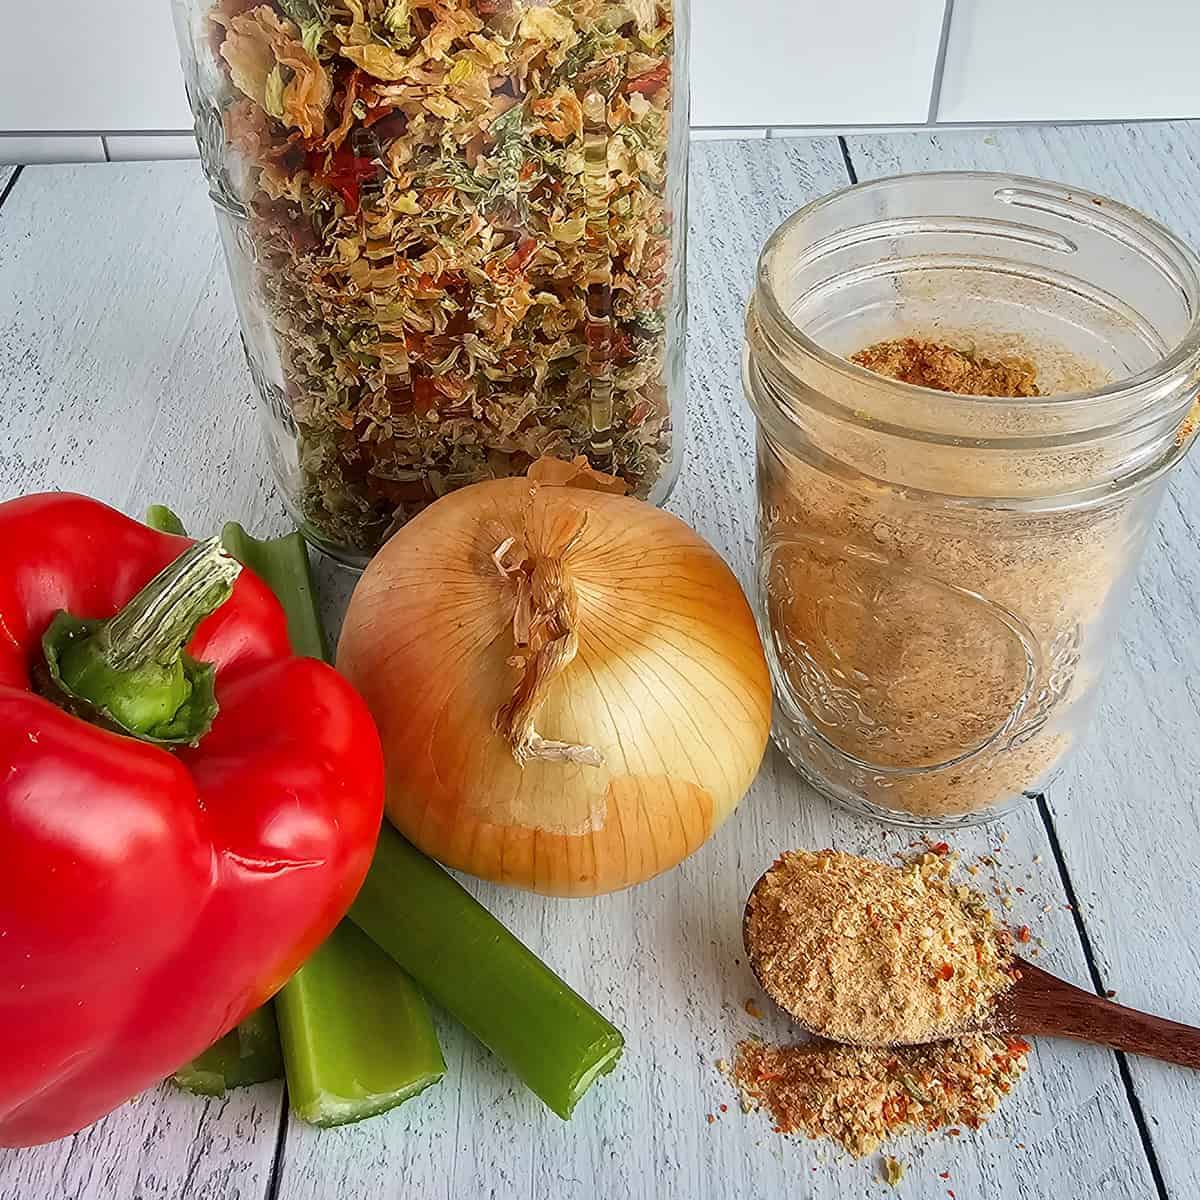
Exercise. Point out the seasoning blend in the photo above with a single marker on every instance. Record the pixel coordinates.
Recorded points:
(455, 235)
(871, 954)
(941, 573)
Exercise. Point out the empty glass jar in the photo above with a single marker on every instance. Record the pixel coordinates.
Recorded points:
(941, 574)
(455, 234)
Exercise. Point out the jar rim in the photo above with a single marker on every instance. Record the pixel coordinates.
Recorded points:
(1184, 355)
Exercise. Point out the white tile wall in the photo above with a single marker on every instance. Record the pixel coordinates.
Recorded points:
(812, 62)
(81, 67)
(88, 66)
(725, 135)
(1071, 60)
(50, 149)
(132, 148)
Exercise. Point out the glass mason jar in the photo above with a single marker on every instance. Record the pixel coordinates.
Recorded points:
(455, 232)
(941, 574)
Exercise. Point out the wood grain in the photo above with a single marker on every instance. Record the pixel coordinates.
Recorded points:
(1128, 815)
(120, 375)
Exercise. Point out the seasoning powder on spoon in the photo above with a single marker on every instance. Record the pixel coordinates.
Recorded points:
(872, 954)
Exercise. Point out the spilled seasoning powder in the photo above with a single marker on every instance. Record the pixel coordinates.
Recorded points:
(873, 954)
(860, 1097)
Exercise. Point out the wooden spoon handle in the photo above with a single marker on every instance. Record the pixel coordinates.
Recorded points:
(1043, 1004)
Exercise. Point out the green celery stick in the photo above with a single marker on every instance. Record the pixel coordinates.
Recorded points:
(246, 1055)
(357, 1037)
(463, 958)
(283, 565)
(250, 1053)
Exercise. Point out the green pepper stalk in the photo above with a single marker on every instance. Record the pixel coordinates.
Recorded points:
(357, 1037)
(463, 958)
(130, 673)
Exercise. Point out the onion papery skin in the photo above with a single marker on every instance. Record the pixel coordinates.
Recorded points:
(669, 684)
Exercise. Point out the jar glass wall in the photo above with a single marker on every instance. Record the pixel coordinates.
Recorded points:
(941, 575)
(455, 234)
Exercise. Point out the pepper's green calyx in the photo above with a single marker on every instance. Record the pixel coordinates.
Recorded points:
(130, 673)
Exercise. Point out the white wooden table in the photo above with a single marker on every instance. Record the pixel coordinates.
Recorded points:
(121, 376)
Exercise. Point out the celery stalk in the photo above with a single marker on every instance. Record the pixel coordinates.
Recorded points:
(250, 1053)
(246, 1055)
(463, 958)
(357, 1035)
(282, 564)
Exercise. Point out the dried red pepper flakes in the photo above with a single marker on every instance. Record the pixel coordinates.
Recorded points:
(526, 248)
(1023, 934)
(343, 172)
(650, 81)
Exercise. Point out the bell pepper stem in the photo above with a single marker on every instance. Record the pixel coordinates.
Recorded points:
(130, 672)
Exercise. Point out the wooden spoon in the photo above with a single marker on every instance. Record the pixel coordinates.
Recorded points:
(1042, 1005)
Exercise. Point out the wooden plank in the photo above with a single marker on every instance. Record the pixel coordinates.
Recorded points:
(1128, 815)
(120, 376)
(665, 959)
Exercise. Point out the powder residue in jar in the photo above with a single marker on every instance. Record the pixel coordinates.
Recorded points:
(872, 954)
(861, 1096)
(949, 369)
(937, 650)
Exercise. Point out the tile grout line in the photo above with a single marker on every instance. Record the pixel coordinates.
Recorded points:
(1089, 954)
(12, 183)
(939, 65)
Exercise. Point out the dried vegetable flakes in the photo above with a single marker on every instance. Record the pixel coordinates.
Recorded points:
(460, 222)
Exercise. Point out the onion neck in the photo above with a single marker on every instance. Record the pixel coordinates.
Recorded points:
(130, 673)
(546, 636)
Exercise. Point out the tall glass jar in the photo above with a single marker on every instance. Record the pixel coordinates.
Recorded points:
(455, 231)
(941, 574)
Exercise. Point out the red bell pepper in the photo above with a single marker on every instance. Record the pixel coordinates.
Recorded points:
(156, 884)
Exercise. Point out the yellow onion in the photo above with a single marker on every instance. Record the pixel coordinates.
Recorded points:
(568, 683)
